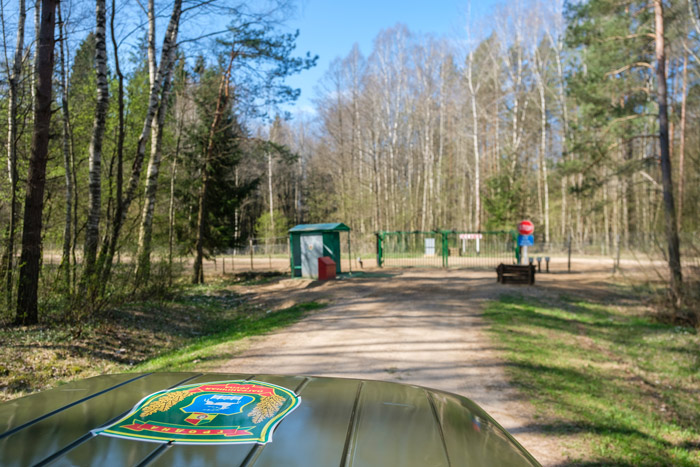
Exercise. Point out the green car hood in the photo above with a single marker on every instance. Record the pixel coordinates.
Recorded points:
(346, 422)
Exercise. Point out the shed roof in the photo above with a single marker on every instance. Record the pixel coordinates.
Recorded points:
(330, 227)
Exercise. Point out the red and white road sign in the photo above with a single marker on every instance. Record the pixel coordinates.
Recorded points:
(471, 236)
(526, 228)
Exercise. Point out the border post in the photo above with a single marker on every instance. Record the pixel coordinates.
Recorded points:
(445, 248)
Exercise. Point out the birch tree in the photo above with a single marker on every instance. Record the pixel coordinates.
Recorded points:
(146, 227)
(14, 78)
(154, 101)
(105, 261)
(469, 70)
(540, 68)
(65, 266)
(92, 230)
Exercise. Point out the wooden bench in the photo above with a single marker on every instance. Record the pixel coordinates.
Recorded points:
(516, 274)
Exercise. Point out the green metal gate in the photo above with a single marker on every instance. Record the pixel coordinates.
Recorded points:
(446, 248)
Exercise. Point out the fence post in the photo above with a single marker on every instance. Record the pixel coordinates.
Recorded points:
(445, 249)
(569, 267)
(379, 249)
(250, 242)
(349, 254)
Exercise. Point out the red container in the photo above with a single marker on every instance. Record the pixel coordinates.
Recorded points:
(326, 268)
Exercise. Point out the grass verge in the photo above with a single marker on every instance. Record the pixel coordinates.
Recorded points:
(194, 326)
(210, 351)
(617, 387)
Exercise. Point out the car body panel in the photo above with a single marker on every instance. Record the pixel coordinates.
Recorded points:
(339, 421)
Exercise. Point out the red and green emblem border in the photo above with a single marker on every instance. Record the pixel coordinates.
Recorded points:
(227, 434)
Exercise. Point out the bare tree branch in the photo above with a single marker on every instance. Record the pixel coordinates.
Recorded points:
(629, 67)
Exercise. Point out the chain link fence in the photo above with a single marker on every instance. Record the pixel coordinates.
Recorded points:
(445, 249)
(480, 250)
(438, 249)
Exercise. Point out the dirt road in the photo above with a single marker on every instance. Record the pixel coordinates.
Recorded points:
(421, 327)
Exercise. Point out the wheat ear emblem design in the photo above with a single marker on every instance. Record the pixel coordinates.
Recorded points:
(266, 408)
(163, 403)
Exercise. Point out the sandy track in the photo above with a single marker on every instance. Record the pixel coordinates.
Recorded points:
(421, 327)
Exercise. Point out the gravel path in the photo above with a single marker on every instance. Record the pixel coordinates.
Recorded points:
(421, 327)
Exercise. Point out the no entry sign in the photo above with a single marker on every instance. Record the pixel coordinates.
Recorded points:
(526, 228)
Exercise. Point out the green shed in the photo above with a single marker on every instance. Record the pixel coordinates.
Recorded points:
(308, 242)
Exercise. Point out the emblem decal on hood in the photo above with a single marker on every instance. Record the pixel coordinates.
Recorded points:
(222, 412)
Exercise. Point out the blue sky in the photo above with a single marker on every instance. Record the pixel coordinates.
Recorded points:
(329, 28)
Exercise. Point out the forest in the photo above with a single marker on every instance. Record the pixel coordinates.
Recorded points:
(136, 132)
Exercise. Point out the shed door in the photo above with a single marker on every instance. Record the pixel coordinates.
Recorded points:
(311, 251)
(331, 247)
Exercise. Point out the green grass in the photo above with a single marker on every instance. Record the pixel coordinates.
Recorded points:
(184, 328)
(220, 346)
(622, 388)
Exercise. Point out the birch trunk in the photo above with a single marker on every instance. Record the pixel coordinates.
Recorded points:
(475, 141)
(146, 227)
(151, 47)
(515, 136)
(120, 156)
(681, 157)
(558, 46)
(269, 193)
(171, 207)
(65, 266)
(30, 259)
(13, 87)
(143, 253)
(92, 229)
(606, 220)
(35, 60)
(441, 145)
(543, 151)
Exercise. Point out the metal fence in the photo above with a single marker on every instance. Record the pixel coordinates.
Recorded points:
(447, 249)
(272, 247)
(443, 248)
(461, 249)
(480, 249)
(396, 249)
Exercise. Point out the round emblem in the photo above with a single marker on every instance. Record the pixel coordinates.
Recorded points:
(222, 412)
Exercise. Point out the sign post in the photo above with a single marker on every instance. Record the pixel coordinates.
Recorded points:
(470, 236)
(525, 239)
